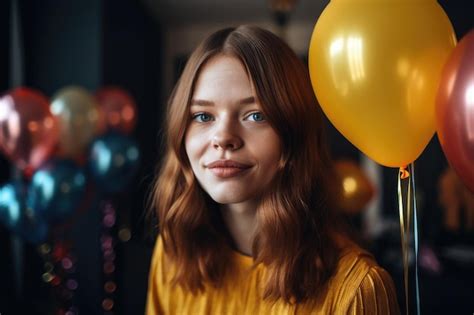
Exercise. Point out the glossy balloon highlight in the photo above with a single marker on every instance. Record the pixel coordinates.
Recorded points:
(56, 190)
(18, 218)
(10, 205)
(78, 116)
(113, 161)
(118, 109)
(375, 67)
(355, 188)
(28, 130)
(455, 110)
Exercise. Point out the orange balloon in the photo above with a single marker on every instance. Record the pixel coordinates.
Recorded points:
(28, 130)
(355, 188)
(118, 109)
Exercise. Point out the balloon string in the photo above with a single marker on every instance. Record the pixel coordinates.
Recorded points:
(405, 220)
(415, 235)
(402, 175)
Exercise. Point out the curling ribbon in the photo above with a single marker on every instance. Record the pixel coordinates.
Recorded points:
(407, 177)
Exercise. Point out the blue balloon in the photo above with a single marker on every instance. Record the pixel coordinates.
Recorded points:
(113, 161)
(11, 206)
(56, 190)
(18, 218)
(32, 228)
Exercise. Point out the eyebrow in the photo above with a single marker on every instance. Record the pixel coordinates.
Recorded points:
(244, 101)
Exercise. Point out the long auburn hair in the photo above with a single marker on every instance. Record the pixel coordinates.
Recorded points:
(295, 220)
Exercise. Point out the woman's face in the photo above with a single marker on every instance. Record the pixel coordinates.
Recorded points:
(233, 150)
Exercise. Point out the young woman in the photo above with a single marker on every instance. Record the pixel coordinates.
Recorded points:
(244, 197)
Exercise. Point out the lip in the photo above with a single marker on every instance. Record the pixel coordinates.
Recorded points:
(227, 168)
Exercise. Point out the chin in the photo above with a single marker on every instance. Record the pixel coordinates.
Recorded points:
(228, 197)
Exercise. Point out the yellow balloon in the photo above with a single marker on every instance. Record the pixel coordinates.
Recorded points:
(375, 67)
(77, 113)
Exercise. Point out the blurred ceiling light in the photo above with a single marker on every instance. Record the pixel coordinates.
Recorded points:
(282, 5)
(281, 10)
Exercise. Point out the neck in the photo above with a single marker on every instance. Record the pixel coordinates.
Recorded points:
(241, 223)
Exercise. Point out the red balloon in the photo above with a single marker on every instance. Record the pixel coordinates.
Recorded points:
(118, 109)
(455, 110)
(28, 131)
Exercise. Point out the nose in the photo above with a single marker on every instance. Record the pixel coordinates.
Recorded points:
(226, 137)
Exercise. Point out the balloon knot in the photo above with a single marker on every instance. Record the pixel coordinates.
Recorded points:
(404, 174)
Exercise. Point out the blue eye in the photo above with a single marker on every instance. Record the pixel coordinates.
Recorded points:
(202, 117)
(257, 116)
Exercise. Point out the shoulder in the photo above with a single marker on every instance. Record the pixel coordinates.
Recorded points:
(158, 257)
(155, 280)
(361, 286)
(158, 249)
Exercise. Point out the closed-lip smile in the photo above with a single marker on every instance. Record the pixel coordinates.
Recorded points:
(227, 168)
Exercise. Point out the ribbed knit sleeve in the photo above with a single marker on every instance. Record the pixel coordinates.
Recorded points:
(375, 295)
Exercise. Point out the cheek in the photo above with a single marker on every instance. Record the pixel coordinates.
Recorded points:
(194, 144)
(268, 149)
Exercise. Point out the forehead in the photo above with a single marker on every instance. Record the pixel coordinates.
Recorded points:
(222, 75)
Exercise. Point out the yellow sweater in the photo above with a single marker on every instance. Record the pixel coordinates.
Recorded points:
(359, 286)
